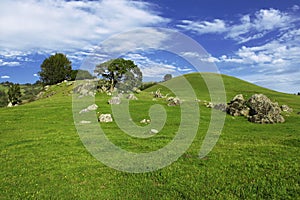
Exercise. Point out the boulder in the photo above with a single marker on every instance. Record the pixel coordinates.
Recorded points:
(115, 100)
(131, 97)
(89, 108)
(157, 94)
(173, 101)
(263, 110)
(105, 118)
(237, 106)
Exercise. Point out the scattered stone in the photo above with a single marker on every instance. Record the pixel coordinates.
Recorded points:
(209, 104)
(145, 121)
(85, 122)
(132, 97)
(85, 110)
(9, 105)
(173, 101)
(153, 131)
(286, 108)
(115, 100)
(263, 110)
(105, 118)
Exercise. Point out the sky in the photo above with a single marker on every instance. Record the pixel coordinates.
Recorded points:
(254, 40)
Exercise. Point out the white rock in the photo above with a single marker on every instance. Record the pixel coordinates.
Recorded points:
(153, 131)
(105, 118)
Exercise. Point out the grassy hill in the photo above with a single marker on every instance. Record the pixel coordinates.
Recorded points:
(42, 156)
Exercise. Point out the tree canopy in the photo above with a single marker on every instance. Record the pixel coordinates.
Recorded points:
(167, 77)
(80, 74)
(120, 73)
(55, 69)
(14, 94)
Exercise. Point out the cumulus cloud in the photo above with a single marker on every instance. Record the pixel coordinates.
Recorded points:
(5, 77)
(58, 24)
(202, 27)
(249, 27)
(151, 68)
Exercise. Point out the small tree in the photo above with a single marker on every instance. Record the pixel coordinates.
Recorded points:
(121, 72)
(55, 69)
(14, 94)
(3, 98)
(167, 77)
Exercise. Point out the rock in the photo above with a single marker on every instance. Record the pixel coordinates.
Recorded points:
(89, 108)
(209, 104)
(157, 94)
(286, 108)
(92, 107)
(221, 106)
(173, 101)
(85, 122)
(153, 131)
(9, 105)
(131, 97)
(105, 118)
(237, 106)
(263, 110)
(115, 100)
(145, 121)
(85, 89)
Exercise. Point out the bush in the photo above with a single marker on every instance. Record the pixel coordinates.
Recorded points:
(3, 99)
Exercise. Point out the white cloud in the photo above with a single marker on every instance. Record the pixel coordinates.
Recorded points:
(9, 63)
(5, 77)
(56, 24)
(35, 75)
(151, 68)
(249, 27)
(202, 27)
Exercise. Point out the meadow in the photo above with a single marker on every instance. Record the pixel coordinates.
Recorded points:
(42, 156)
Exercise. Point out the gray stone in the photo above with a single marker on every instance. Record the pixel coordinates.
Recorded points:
(131, 97)
(237, 106)
(173, 101)
(115, 100)
(105, 118)
(263, 110)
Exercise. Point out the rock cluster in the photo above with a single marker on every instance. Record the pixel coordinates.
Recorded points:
(85, 89)
(263, 110)
(258, 109)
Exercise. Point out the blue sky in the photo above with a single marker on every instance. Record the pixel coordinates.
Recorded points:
(258, 41)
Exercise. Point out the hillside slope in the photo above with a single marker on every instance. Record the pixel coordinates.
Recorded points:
(42, 156)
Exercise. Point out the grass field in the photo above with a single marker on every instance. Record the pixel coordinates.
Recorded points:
(42, 156)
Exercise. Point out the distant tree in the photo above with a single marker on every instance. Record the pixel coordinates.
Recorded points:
(167, 77)
(80, 74)
(55, 69)
(3, 98)
(298, 93)
(121, 73)
(14, 94)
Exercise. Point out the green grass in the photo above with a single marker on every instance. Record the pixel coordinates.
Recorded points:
(42, 156)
